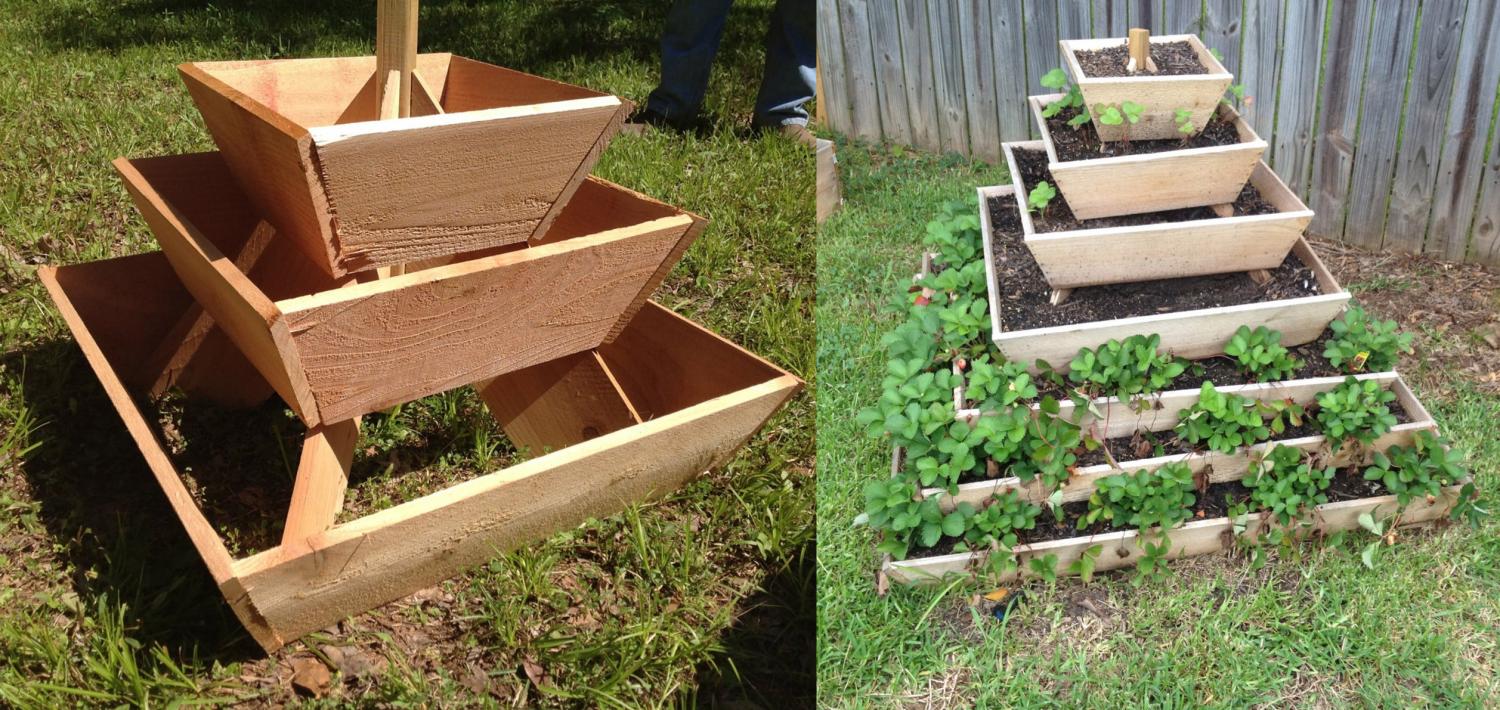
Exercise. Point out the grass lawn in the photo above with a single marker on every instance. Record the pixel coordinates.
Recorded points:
(102, 599)
(1420, 630)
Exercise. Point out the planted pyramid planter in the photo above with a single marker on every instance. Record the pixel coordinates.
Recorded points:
(488, 157)
(336, 348)
(1167, 249)
(630, 420)
(1193, 334)
(1152, 182)
(1161, 95)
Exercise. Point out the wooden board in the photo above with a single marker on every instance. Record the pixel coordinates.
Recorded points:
(1089, 257)
(1338, 119)
(1161, 95)
(981, 95)
(559, 403)
(1461, 166)
(1260, 62)
(1220, 30)
(1297, 94)
(890, 76)
(1380, 121)
(1040, 18)
(1152, 182)
(829, 197)
(377, 344)
(948, 75)
(322, 477)
(1007, 34)
(833, 89)
(864, 91)
(1109, 17)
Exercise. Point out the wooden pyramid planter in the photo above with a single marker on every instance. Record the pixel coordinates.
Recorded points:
(1151, 182)
(1167, 249)
(337, 348)
(629, 420)
(488, 157)
(1161, 95)
(1192, 334)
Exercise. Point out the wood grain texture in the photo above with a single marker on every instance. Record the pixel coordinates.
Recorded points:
(829, 194)
(248, 317)
(833, 86)
(362, 107)
(890, 75)
(981, 95)
(1191, 334)
(472, 85)
(559, 403)
(1380, 121)
(1152, 182)
(948, 75)
(1260, 62)
(1429, 93)
(378, 344)
(1461, 167)
(409, 195)
(1161, 95)
(859, 62)
(322, 477)
(395, 56)
(1220, 29)
(1338, 117)
(1301, 72)
(1040, 18)
(1486, 237)
(1073, 22)
(1010, 81)
(1182, 16)
(1110, 18)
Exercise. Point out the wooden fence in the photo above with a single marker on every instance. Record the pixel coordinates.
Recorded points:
(1380, 114)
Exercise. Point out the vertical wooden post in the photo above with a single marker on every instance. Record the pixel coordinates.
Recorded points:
(322, 478)
(1140, 48)
(395, 56)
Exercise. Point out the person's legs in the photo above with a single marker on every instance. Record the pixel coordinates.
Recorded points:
(688, 44)
(787, 84)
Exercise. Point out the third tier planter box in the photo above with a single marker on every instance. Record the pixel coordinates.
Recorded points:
(1194, 316)
(1161, 93)
(1178, 176)
(336, 352)
(488, 157)
(1166, 248)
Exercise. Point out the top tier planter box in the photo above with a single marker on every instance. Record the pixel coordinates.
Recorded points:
(1161, 95)
(488, 157)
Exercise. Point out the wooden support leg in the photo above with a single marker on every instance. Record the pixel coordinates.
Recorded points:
(322, 477)
(1260, 276)
(558, 403)
(1059, 296)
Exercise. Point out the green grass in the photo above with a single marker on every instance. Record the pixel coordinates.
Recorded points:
(102, 599)
(1420, 630)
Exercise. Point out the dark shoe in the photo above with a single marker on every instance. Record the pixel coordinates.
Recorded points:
(645, 117)
(794, 131)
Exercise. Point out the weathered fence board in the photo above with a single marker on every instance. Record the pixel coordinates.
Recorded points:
(1328, 80)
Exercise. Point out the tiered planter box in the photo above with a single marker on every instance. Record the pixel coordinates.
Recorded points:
(488, 157)
(1192, 334)
(1161, 95)
(336, 349)
(1091, 257)
(1150, 182)
(686, 400)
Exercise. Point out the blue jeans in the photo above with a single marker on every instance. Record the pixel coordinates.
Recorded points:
(691, 38)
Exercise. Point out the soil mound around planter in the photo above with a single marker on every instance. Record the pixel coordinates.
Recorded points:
(1024, 292)
(1082, 143)
(1058, 217)
(1171, 59)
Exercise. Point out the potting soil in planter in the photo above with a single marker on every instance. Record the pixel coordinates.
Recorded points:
(1171, 59)
(1082, 143)
(1058, 217)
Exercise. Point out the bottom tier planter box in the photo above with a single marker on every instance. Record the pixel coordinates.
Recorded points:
(635, 418)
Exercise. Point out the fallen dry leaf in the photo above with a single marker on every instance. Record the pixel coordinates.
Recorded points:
(310, 676)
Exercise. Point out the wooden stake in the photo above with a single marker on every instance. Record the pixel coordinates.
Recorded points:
(395, 58)
(1140, 48)
(1059, 296)
(1261, 277)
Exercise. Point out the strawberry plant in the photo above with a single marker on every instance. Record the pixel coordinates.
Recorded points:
(915, 405)
(1040, 196)
(996, 522)
(1260, 354)
(1057, 79)
(954, 235)
(1143, 499)
(893, 507)
(1420, 470)
(963, 322)
(1355, 410)
(949, 458)
(963, 280)
(1003, 432)
(1125, 115)
(912, 340)
(1122, 369)
(1283, 482)
(1049, 448)
(1084, 565)
(1361, 343)
(1223, 421)
(1044, 567)
(993, 386)
(1183, 117)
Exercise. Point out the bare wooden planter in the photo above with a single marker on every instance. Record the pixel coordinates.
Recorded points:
(488, 157)
(1192, 334)
(629, 420)
(335, 349)
(1152, 182)
(1106, 255)
(1117, 418)
(1161, 95)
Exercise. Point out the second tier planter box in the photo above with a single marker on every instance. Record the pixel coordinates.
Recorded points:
(1216, 245)
(1152, 182)
(1193, 334)
(686, 401)
(1161, 95)
(488, 157)
(336, 353)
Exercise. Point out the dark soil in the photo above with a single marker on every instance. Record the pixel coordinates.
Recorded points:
(1023, 300)
(1058, 217)
(1171, 59)
(1348, 484)
(1082, 142)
